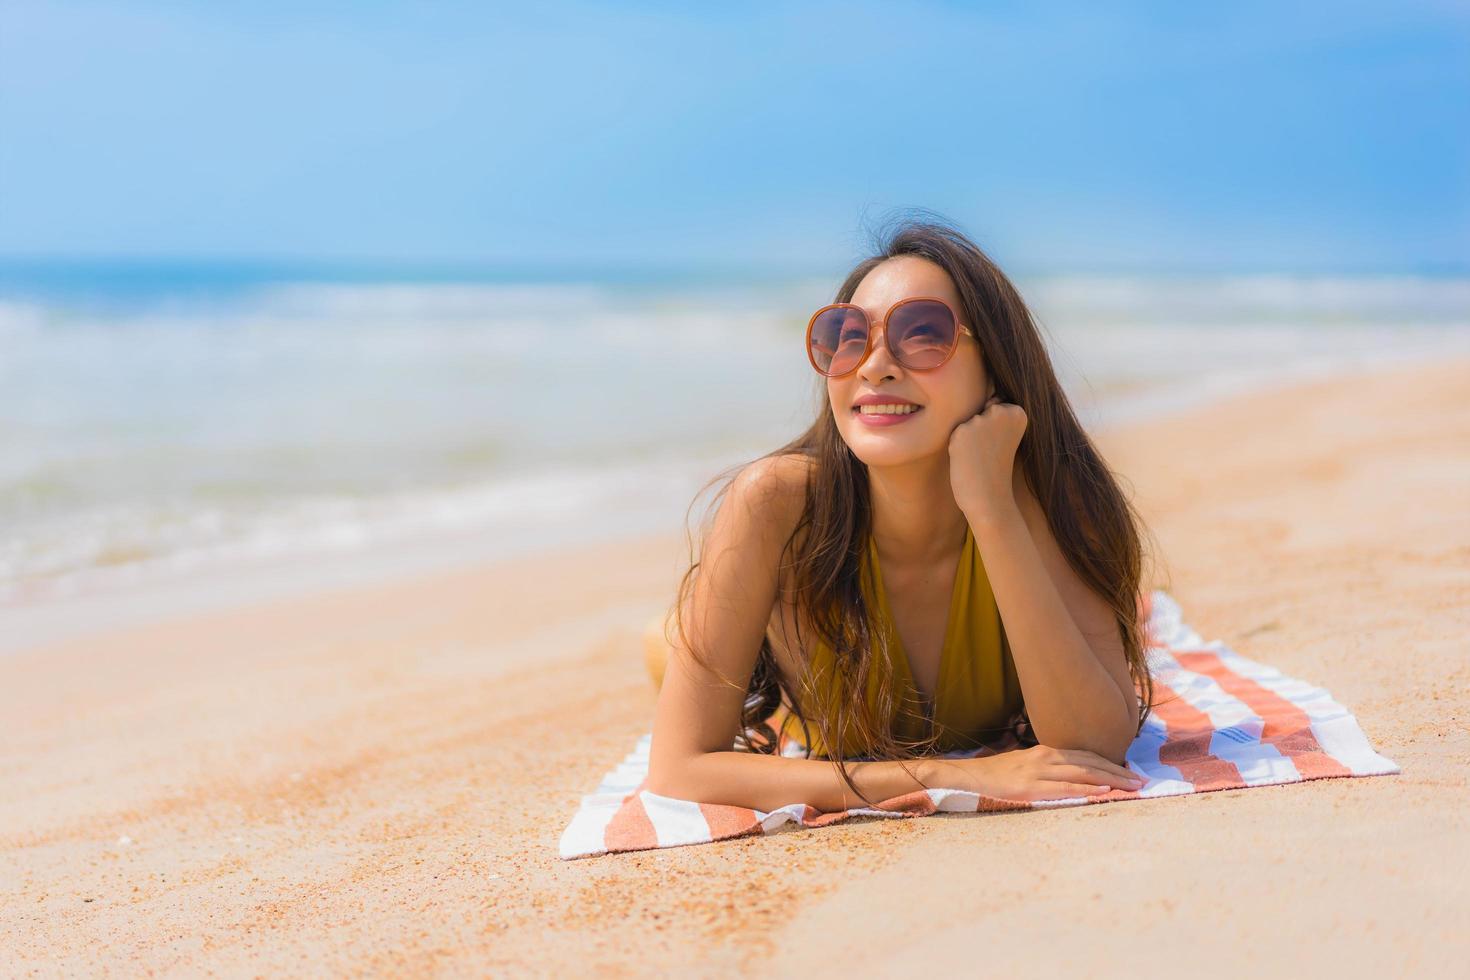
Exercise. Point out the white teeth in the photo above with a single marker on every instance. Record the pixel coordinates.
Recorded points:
(888, 409)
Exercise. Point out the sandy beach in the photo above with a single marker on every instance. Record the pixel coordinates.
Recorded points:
(373, 780)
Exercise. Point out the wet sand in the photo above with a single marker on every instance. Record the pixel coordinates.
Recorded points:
(374, 779)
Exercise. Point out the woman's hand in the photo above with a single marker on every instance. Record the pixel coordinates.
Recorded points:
(982, 455)
(1036, 773)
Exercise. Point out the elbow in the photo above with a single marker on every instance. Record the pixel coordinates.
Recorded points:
(1111, 750)
(1115, 748)
(1112, 744)
(669, 777)
(1115, 752)
(1115, 744)
(661, 782)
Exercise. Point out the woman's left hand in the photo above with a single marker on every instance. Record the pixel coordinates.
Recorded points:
(982, 454)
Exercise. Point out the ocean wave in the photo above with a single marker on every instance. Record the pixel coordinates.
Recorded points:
(320, 416)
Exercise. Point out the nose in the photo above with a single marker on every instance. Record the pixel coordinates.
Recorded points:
(879, 363)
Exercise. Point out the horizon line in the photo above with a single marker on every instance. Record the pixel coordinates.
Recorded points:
(503, 269)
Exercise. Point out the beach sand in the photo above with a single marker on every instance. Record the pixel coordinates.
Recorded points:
(374, 780)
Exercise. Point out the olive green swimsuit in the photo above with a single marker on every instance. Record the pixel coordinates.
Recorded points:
(977, 693)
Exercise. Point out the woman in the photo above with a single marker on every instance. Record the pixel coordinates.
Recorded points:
(941, 558)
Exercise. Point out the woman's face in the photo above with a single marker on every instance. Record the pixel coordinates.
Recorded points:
(947, 395)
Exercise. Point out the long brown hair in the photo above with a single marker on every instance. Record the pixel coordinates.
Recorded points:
(1095, 525)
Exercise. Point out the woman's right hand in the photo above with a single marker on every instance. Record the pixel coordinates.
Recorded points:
(1040, 772)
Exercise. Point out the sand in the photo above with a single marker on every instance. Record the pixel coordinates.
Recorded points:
(374, 779)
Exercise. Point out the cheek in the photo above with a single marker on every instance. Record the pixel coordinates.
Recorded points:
(841, 404)
(960, 393)
(967, 393)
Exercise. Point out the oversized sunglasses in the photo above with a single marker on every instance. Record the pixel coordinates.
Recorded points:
(922, 334)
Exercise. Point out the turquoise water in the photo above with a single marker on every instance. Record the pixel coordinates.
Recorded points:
(158, 419)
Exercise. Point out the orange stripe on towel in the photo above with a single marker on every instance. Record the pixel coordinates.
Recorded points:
(1187, 747)
(995, 804)
(726, 820)
(1286, 726)
(917, 803)
(630, 829)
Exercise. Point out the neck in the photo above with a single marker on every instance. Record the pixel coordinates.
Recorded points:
(915, 517)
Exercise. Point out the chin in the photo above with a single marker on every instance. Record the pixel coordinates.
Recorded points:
(882, 449)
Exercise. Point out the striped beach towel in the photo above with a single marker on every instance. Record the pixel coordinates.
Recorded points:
(1220, 721)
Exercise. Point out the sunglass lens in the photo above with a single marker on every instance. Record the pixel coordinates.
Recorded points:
(922, 333)
(838, 339)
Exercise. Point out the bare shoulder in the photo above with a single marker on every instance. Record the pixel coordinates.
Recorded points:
(778, 476)
(773, 490)
(701, 699)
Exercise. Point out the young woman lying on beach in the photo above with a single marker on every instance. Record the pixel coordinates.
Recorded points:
(942, 558)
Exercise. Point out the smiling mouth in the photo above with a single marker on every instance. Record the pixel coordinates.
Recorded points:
(886, 409)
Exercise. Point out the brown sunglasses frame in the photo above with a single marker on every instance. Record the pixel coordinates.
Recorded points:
(872, 328)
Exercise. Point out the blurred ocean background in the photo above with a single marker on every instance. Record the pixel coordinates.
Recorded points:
(303, 295)
(156, 422)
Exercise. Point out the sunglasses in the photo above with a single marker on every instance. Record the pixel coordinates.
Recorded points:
(922, 334)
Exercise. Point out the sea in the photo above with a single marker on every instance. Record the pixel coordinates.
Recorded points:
(171, 424)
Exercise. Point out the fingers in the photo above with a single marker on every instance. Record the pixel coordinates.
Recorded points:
(1091, 760)
(1096, 776)
(1086, 775)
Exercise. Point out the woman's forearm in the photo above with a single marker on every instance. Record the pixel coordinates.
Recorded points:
(765, 782)
(1071, 699)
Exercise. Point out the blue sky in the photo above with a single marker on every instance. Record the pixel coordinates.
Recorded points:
(1064, 137)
